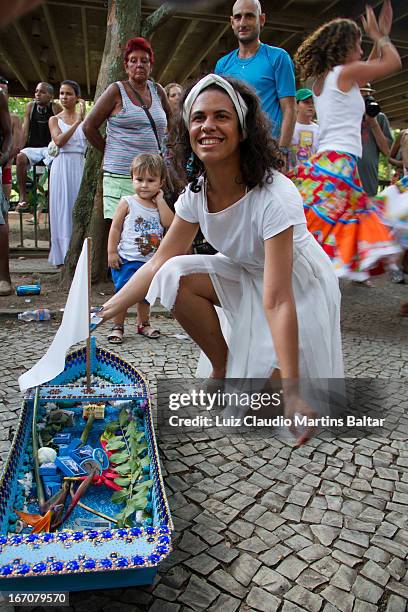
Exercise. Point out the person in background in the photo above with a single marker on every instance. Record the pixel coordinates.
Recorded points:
(135, 234)
(6, 143)
(269, 70)
(306, 133)
(36, 135)
(66, 169)
(341, 216)
(376, 138)
(174, 92)
(17, 143)
(129, 131)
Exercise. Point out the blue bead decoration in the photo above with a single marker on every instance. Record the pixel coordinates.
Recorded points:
(89, 564)
(122, 533)
(24, 568)
(48, 537)
(62, 536)
(163, 550)
(164, 539)
(92, 534)
(138, 560)
(122, 562)
(136, 531)
(39, 567)
(33, 537)
(154, 558)
(77, 535)
(72, 566)
(150, 530)
(6, 570)
(106, 563)
(16, 539)
(58, 566)
(106, 534)
(3, 540)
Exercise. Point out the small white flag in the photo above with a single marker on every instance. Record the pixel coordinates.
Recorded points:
(74, 328)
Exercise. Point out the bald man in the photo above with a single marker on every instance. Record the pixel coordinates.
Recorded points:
(269, 70)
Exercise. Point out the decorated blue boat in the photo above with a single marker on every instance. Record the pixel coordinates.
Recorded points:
(82, 500)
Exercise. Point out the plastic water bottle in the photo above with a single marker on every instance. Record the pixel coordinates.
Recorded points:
(42, 314)
(28, 289)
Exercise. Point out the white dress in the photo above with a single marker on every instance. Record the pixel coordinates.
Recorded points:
(238, 233)
(65, 180)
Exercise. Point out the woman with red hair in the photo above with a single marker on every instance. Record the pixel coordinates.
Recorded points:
(137, 113)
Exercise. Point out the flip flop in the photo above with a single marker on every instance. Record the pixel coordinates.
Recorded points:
(22, 205)
(148, 331)
(115, 335)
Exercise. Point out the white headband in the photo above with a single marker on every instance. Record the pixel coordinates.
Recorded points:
(215, 79)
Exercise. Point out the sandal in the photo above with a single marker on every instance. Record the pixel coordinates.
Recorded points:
(22, 205)
(116, 334)
(147, 330)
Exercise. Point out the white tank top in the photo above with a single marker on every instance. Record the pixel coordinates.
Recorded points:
(339, 115)
(142, 232)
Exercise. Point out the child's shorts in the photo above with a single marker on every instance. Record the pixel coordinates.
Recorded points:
(126, 271)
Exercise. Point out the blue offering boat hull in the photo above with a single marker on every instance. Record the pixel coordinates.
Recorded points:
(88, 559)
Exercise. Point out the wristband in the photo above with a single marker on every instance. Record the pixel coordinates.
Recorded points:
(384, 40)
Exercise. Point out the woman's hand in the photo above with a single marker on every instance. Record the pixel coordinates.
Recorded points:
(385, 18)
(295, 406)
(82, 108)
(114, 261)
(370, 24)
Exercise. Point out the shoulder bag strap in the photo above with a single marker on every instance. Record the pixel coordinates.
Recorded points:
(150, 118)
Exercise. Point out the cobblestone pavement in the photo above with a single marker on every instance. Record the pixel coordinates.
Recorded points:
(259, 524)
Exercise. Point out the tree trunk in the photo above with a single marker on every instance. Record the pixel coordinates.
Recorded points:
(124, 22)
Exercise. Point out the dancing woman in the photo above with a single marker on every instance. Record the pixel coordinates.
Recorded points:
(339, 214)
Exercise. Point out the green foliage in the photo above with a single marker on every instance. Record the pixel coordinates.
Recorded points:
(18, 106)
(127, 441)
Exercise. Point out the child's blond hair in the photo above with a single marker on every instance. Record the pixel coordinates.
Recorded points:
(150, 163)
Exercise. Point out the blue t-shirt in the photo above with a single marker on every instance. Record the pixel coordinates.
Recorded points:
(270, 72)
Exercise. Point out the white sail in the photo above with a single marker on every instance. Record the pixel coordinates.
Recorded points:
(74, 328)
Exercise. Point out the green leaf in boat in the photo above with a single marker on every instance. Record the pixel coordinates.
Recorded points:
(122, 482)
(116, 443)
(119, 497)
(123, 469)
(123, 417)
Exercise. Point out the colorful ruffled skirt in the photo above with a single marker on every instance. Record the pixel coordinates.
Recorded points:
(348, 224)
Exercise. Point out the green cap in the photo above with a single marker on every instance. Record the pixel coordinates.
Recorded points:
(303, 94)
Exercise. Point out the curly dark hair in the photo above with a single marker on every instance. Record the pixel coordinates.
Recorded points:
(327, 47)
(259, 151)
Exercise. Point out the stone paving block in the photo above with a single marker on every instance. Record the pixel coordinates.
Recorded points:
(225, 513)
(259, 599)
(254, 513)
(377, 554)
(240, 501)
(396, 604)
(270, 538)
(269, 521)
(226, 582)
(291, 567)
(363, 606)
(226, 479)
(246, 488)
(314, 552)
(309, 601)
(345, 558)
(289, 606)
(275, 555)
(254, 544)
(223, 553)
(344, 578)
(396, 569)
(351, 549)
(188, 512)
(203, 564)
(312, 515)
(209, 536)
(398, 588)
(298, 542)
(273, 501)
(375, 572)
(299, 498)
(242, 528)
(325, 534)
(191, 544)
(355, 537)
(291, 513)
(225, 603)
(260, 481)
(165, 592)
(158, 606)
(309, 579)
(272, 581)
(339, 599)
(392, 547)
(244, 568)
(366, 590)
(175, 577)
(199, 595)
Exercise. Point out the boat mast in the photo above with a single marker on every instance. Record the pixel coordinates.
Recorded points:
(88, 341)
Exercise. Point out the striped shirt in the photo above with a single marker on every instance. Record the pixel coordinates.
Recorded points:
(129, 133)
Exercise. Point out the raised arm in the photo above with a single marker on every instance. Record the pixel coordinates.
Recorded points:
(387, 61)
(176, 242)
(61, 138)
(100, 113)
(165, 212)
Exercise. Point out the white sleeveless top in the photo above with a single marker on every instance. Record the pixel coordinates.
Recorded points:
(142, 232)
(339, 115)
